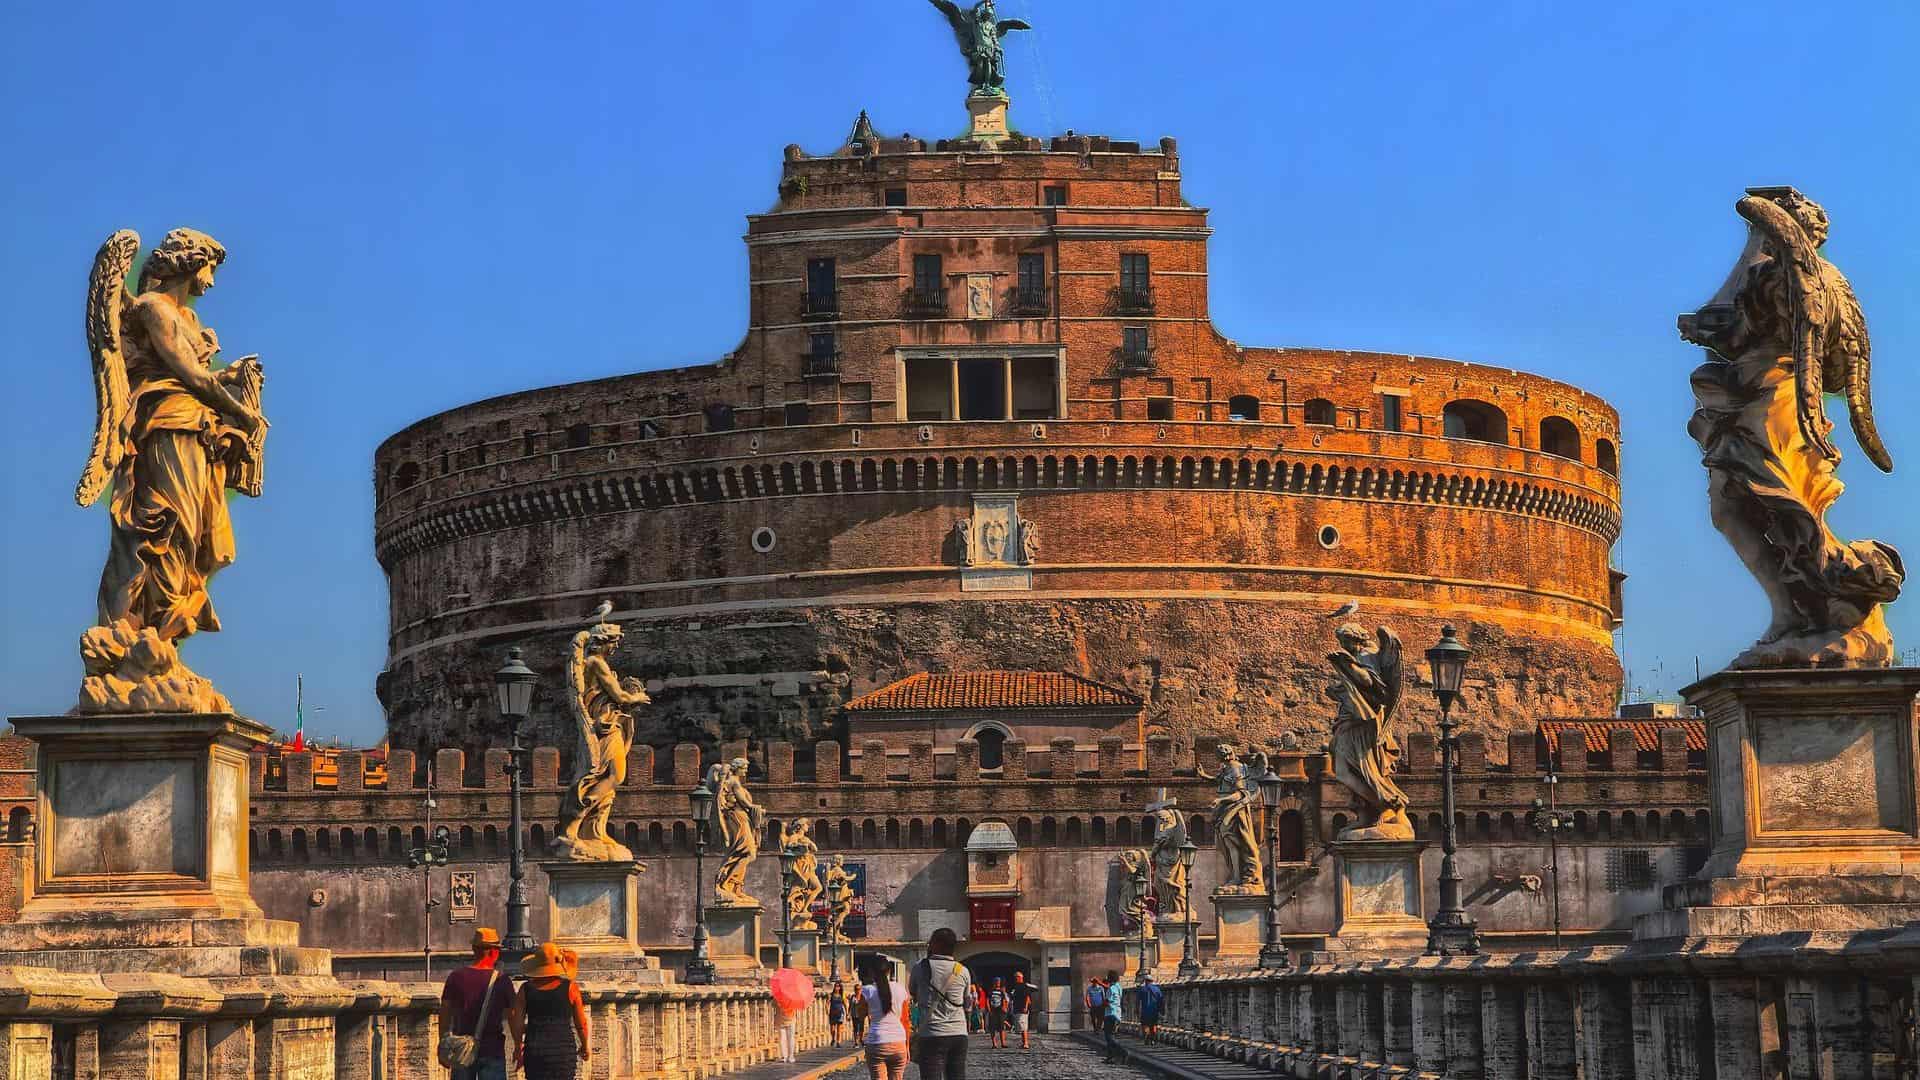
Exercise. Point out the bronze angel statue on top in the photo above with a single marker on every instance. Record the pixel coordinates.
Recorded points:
(1783, 331)
(172, 434)
(979, 31)
(597, 699)
(1364, 748)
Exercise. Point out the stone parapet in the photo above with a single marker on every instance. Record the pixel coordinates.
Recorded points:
(317, 1026)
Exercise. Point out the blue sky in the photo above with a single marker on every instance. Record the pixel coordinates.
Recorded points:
(427, 204)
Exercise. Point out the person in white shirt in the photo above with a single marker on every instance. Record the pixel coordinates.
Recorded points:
(886, 1001)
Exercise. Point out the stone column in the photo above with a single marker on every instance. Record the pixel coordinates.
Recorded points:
(1399, 1022)
(1503, 1031)
(1736, 1006)
(26, 1050)
(1668, 1016)
(1466, 1044)
(1606, 1029)
(1429, 1027)
(1550, 1018)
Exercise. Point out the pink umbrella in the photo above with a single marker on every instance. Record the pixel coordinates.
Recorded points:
(792, 990)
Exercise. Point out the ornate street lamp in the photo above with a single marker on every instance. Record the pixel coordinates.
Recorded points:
(1452, 930)
(1189, 963)
(514, 685)
(789, 858)
(1547, 817)
(700, 966)
(1273, 954)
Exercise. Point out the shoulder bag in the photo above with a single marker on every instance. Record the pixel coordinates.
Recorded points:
(461, 1051)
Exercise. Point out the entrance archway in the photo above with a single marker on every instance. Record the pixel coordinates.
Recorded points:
(992, 960)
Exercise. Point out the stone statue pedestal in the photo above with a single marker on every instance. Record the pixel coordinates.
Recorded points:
(1239, 926)
(1815, 806)
(733, 940)
(1169, 945)
(140, 860)
(592, 909)
(987, 114)
(804, 951)
(1379, 898)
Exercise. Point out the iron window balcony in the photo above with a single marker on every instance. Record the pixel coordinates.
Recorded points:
(815, 305)
(924, 303)
(820, 365)
(1136, 361)
(1031, 301)
(1133, 300)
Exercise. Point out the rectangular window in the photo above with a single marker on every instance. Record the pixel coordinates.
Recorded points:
(1035, 392)
(929, 389)
(820, 345)
(896, 196)
(821, 288)
(1390, 412)
(719, 417)
(983, 390)
(1136, 284)
(926, 273)
(1133, 345)
(796, 413)
(1030, 285)
(1159, 408)
(1054, 195)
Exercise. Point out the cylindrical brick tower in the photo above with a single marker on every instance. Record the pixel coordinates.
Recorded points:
(981, 419)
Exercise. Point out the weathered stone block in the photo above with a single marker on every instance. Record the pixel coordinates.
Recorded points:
(543, 767)
(1159, 757)
(400, 766)
(1062, 759)
(1016, 760)
(1623, 750)
(299, 769)
(1673, 750)
(1522, 753)
(1113, 764)
(920, 761)
(966, 761)
(873, 761)
(780, 762)
(493, 767)
(826, 762)
(686, 765)
(449, 767)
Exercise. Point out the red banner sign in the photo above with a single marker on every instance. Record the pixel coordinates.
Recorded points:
(990, 920)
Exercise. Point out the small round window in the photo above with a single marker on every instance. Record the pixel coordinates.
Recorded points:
(1329, 536)
(763, 539)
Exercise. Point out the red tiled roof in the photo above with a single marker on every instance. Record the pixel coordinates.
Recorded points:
(994, 690)
(1646, 733)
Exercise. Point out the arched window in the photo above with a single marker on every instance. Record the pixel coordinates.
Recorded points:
(993, 744)
(1559, 437)
(1477, 420)
(1319, 411)
(1243, 407)
(1605, 456)
(17, 820)
(1293, 837)
(407, 475)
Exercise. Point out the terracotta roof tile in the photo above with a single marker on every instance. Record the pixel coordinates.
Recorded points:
(994, 690)
(1646, 733)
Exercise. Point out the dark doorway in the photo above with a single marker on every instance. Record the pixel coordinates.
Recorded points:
(988, 966)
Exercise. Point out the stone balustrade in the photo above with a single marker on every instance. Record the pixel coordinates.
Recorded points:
(1758, 1008)
(316, 1028)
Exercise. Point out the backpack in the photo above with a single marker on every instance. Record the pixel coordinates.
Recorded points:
(1096, 998)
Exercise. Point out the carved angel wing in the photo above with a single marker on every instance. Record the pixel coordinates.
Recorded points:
(1005, 25)
(1390, 673)
(106, 305)
(1807, 302)
(577, 700)
(1849, 367)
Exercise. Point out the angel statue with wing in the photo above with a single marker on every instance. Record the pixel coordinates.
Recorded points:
(1783, 331)
(1368, 689)
(979, 32)
(795, 836)
(741, 821)
(173, 433)
(597, 699)
(1236, 833)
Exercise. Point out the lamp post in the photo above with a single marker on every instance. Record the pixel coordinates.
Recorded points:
(514, 686)
(1548, 818)
(789, 857)
(433, 853)
(700, 966)
(1452, 930)
(1189, 963)
(1273, 954)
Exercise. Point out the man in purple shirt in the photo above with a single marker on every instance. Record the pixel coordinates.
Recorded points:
(464, 999)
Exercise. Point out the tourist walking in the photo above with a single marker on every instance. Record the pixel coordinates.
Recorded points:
(858, 1013)
(474, 1003)
(1151, 998)
(997, 1015)
(1112, 1029)
(1020, 1005)
(886, 1001)
(549, 1019)
(837, 1012)
(940, 984)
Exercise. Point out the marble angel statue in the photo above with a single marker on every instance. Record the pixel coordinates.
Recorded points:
(1367, 687)
(797, 838)
(598, 700)
(741, 822)
(1784, 331)
(173, 434)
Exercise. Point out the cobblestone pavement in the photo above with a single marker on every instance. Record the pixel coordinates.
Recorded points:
(1053, 1057)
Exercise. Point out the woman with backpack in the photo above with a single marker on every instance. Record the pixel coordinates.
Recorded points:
(887, 1031)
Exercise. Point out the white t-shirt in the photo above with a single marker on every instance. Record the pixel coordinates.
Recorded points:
(887, 1028)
